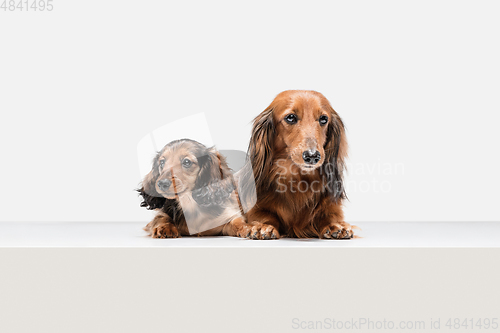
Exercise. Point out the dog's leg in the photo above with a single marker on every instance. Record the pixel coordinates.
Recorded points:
(162, 227)
(332, 225)
(237, 228)
(264, 225)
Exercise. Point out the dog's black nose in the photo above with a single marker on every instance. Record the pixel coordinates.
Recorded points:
(164, 184)
(311, 157)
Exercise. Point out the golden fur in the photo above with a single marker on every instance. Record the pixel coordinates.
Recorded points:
(296, 198)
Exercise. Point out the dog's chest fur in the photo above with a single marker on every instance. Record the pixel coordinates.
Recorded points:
(297, 198)
(200, 219)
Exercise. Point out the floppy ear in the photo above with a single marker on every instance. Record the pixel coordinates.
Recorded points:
(256, 171)
(215, 182)
(152, 199)
(335, 156)
(260, 148)
(209, 168)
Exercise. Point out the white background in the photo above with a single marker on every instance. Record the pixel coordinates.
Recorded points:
(417, 84)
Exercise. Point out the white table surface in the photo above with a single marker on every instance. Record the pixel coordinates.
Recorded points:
(130, 234)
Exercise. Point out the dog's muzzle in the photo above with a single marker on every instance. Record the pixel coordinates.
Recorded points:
(164, 184)
(311, 157)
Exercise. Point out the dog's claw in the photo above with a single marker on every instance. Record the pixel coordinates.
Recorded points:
(165, 230)
(263, 231)
(338, 230)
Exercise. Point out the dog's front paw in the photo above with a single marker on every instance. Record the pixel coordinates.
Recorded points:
(338, 230)
(262, 231)
(165, 230)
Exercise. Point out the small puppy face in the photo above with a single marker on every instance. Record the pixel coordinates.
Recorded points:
(180, 167)
(301, 119)
(178, 170)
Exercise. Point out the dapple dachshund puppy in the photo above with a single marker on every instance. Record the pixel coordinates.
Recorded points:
(192, 189)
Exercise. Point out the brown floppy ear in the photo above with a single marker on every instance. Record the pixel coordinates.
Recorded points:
(260, 148)
(254, 174)
(151, 198)
(336, 154)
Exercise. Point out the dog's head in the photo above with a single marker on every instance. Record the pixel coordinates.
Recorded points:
(304, 127)
(182, 166)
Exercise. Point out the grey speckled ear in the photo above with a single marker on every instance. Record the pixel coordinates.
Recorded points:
(209, 168)
(215, 180)
(151, 198)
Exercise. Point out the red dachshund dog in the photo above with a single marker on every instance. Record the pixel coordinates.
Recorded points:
(297, 153)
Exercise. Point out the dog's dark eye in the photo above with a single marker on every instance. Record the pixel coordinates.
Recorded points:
(162, 163)
(323, 120)
(291, 119)
(186, 163)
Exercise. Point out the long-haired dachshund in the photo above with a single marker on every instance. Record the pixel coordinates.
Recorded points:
(297, 152)
(192, 189)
